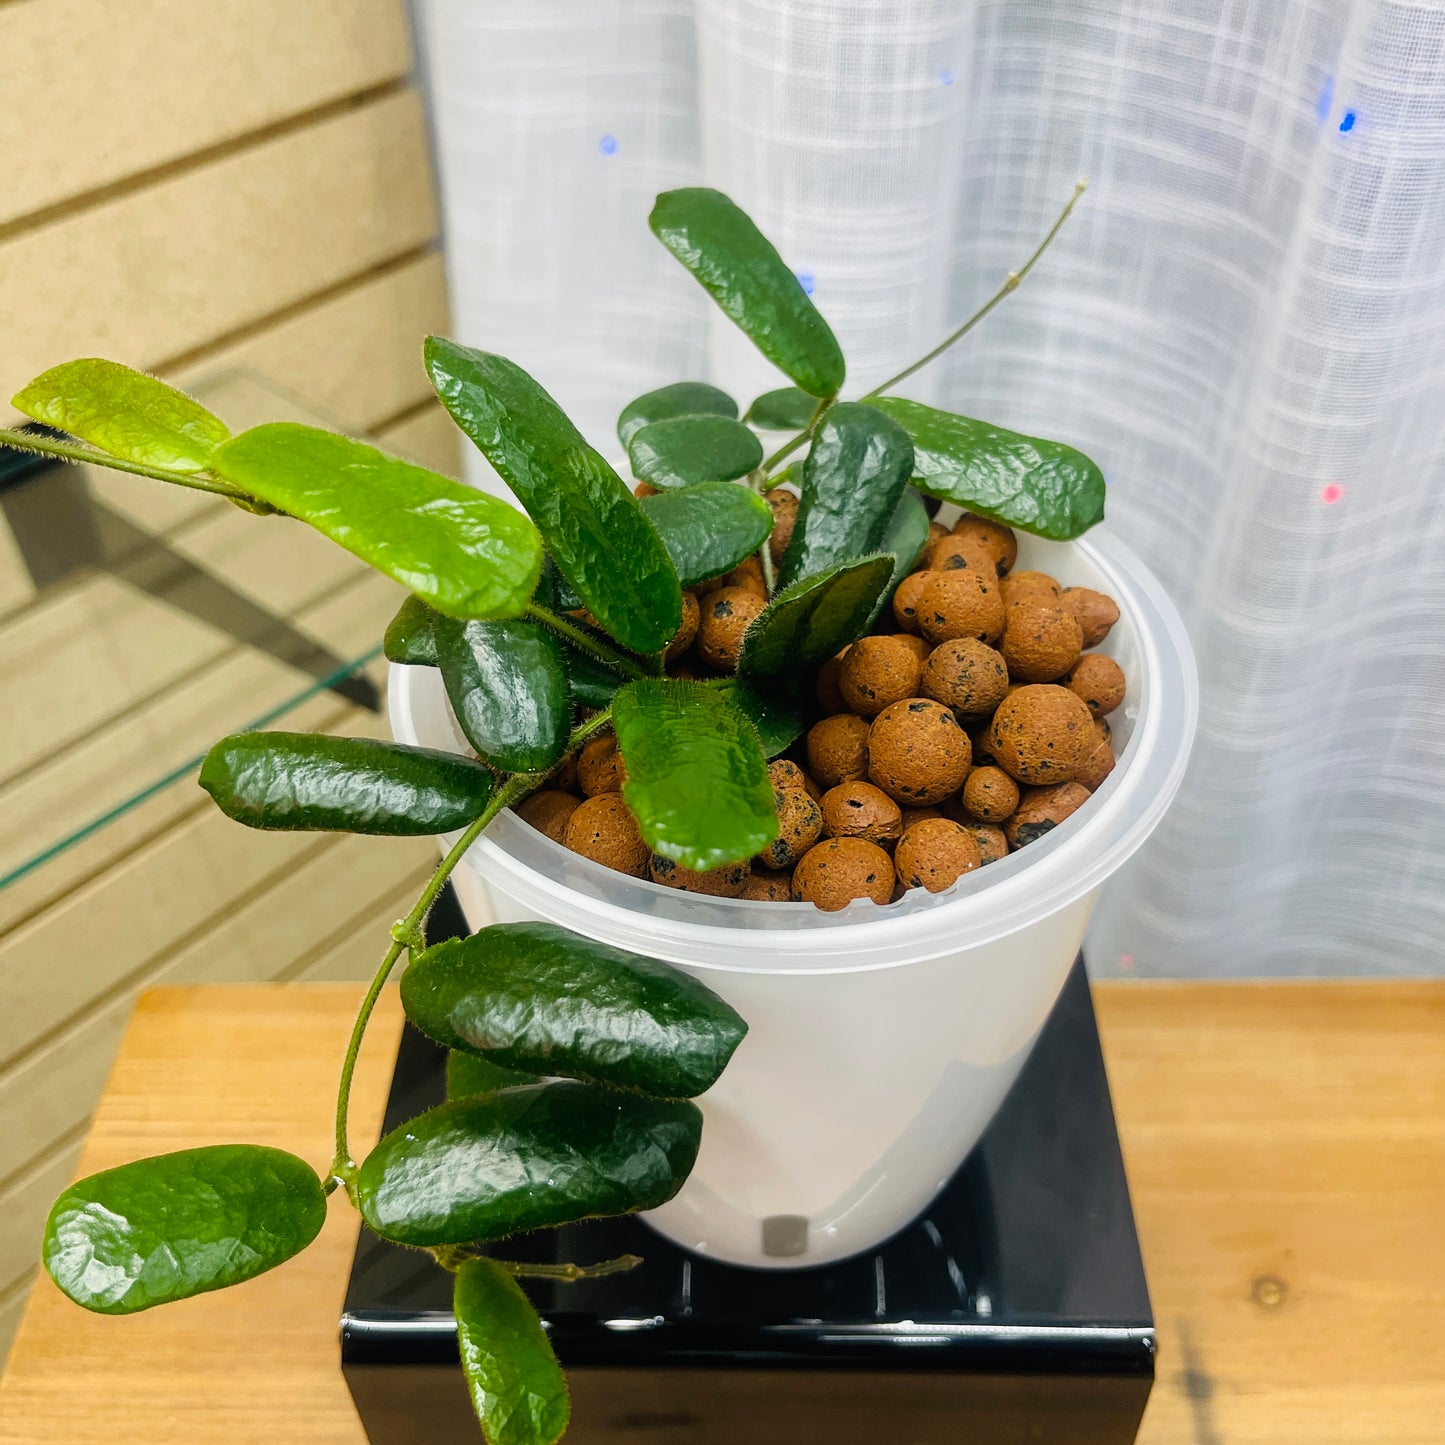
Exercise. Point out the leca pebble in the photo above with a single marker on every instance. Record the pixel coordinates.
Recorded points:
(838, 870)
(935, 854)
(861, 810)
(917, 752)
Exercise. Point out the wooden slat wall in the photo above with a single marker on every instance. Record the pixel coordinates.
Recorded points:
(239, 198)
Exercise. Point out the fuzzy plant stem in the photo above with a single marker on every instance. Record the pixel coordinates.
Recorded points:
(43, 446)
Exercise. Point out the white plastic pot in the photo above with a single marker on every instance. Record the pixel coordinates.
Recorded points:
(881, 1040)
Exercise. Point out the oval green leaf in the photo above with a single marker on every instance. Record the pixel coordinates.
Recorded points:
(507, 682)
(789, 408)
(592, 682)
(408, 638)
(513, 1377)
(526, 1158)
(470, 1074)
(1039, 486)
(461, 551)
(904, 540)
(708, 529)
(740, 269)
(682, 398)
(805, 624)
(536, 997)
(125, 413)
(686, 450)
(773, 706)
(854, 474)
(595, 530)
(310, 782)
(181, 1224)
(697, 781)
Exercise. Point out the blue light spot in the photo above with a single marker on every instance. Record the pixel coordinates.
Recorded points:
(608, 145)
(1348, 122)
(1327, 97)
(806, 281)
(946, 76)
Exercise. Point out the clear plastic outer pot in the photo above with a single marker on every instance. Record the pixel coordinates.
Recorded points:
(881, 1039)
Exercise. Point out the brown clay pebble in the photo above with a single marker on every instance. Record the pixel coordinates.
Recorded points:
(800, 825)
(993, 538)
(724, 882)
(726, 615)
(965, 674)
(1041, 641)
(600, 768)
(992, 845)
(1096, 612)
(645, 489)
(838, 749)
(917, 815)
(964, 603)
(783, 774)
(1097, 766)
(1030, 587)
(785, 515)
(990, 795)
(1099, 680)
(859, 810)
(682, 638)
(603, 830)
(1042, 734)
(935, 854)
(838, 870)
(877, 671)
(564, 780)
(951, 553)
(917, 752)
(905, 600)
(765, 887)
(919, 646)
(1041, 810)
(548, 812)
(936, 532)
(825, 689)
(749, 573)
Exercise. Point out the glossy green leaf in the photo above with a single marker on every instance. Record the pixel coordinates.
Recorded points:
(854, 474)
(789, 408)
(458, 549)
(697, 781)
(740, 269)
(708, 529)
(595, 530)
(554, 591)
(686, 450)
(125, 413)
(513, 1377)
(593, 683)
(470, 1074)
(537, 997)
(408, 637)
(507, 682)
(526, 1158)
(905, 538)
(774, 708)
(682, 398)
(805, 624)
(311, 782)
(177, 1225)
(1038, 486)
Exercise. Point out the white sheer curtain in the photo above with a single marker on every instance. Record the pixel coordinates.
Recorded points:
(1244, 323)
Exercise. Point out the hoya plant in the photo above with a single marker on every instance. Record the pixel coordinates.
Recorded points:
(573, 1065)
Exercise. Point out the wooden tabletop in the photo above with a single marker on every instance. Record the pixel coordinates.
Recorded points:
(1285, 1145)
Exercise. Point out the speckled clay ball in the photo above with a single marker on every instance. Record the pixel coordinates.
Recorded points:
(905, 600)
(838, 749)
(825, 688)
(548, 812)
(1041, 641)
(726, 615)
(1097, 766)
(784, 774)
(876, 672)
(967, 675)
(1096, 612)
(936, 532)
(838, 870)
(600, 768)
(603, 830)
(564, 780)
(682, 638)
(860, 810)
(1041, 810)
(990, 795)
(996, 540)
(963, 603)
(1099, 680)
(917, 815)
(920, 647)
(765, 887)
(800, 825)
(1042, 734)
(785, 516)
(1029, 587)
(935, 854)
(992, 845)
(917, 752)
(950, 553)
(748, 574)
(725, 882)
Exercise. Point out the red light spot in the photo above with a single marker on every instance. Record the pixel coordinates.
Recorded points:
(1126, 961)
(1331, 494)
